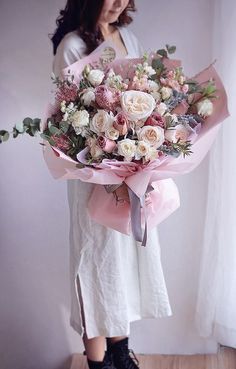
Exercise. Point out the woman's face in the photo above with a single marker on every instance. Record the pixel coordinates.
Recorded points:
(111, 10)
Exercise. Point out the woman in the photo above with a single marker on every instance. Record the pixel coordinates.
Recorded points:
(113, 279)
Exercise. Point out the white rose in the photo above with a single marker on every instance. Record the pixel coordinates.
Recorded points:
(101, 121)
(95, 77)
(153, 135)
(152, 154)
(161, 108)
(88, 97)
(126, 148)
(112, 133)
(142, 149)
(179, 131)
(166, 92)
(205, 108)
(137, 104)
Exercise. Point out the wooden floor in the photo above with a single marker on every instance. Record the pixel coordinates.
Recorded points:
(224, 359)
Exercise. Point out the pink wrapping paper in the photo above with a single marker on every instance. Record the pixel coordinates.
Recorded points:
(164, 199)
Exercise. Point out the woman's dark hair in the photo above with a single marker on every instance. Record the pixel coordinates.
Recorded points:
(82, 15)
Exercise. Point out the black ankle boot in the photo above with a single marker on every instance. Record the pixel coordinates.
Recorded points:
(121, 354)
(105, 364)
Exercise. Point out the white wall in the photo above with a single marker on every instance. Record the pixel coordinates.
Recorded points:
(34, 277)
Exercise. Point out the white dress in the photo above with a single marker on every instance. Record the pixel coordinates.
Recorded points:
(118, 280)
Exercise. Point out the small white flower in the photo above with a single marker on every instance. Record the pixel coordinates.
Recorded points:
(80, 119)
(205, 108)
(153, 86)
(148, 69)
(166, 92)
(88, 97)
(65, 116)
(127, 148)
(161, 108)
(95, 77)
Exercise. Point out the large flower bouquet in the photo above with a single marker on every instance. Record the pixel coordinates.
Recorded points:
(133, 121)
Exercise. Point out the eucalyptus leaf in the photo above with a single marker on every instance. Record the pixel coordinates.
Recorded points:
(20, 127)
(54, 130)
(64, 126)
(37, 122)
(162, 52)
(171, 49)
(157, 64)
(15, 132)
(44, 137)
(4, 135)
(27, 121)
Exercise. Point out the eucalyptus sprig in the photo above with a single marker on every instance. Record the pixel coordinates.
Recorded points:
(29, 126)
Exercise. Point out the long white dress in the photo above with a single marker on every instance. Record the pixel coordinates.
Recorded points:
(118, 280)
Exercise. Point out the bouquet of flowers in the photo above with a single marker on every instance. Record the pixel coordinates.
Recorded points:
(133, 121)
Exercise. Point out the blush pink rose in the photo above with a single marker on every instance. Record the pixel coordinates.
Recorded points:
(155, 119)
(121, 123)
(105, 144)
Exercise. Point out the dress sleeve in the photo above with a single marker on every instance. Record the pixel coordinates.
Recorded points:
(134, 43)
(70, 49)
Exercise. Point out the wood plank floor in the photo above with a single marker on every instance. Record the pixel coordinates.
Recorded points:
(224, 359)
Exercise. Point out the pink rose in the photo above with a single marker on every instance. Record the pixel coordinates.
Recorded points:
(105, 144)
(106, 97)
(155, 119)
(177, 132)
(181, 108)
(121, 123)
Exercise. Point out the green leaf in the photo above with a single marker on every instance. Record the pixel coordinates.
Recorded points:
(157, 64)
(34, 130)
(54, 130)
(4, 135)
(44, 136)
(171, 49)
(162, 52)
(27, 121)
(15, 132)
(20, 127)
(64, 126)
(37, 122)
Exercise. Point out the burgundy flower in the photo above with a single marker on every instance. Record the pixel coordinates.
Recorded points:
(107, 98)
(67, 93)
(61, 142)
(155, 119)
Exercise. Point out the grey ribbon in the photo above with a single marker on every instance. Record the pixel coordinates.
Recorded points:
(136, 204)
